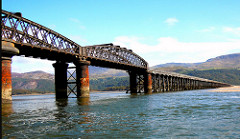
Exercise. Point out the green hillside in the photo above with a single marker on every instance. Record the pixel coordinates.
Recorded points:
(230, 76)
(109, 83)
(230, 61)
(30, 86)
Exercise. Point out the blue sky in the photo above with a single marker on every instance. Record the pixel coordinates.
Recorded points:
(160, 31)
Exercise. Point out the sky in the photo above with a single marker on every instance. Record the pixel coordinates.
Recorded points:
(160, 31)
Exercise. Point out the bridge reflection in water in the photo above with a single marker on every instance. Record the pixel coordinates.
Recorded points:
(62, 116)
(22, 37)
(7, 109)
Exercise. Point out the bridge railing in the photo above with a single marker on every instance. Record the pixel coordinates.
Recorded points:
(22, 30)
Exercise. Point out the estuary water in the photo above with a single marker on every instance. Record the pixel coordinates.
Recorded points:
(186, 114)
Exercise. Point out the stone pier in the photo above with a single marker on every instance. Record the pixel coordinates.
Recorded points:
(82, 79)
(8, 51)
(60, 80)
(148, 83)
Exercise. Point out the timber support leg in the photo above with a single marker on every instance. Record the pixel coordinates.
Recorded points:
(133, 81)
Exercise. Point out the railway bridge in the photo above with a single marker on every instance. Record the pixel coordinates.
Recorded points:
(23, 37)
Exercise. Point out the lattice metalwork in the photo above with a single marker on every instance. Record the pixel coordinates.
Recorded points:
(115, 53)
(24, 31)
(157, 83)
(140, 83)
(71, 81)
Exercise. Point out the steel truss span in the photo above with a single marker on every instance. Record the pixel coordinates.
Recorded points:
(28, 33)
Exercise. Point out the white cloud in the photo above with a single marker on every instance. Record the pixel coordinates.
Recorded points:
(170, 49)
(74, 20)
(171, 21)
(79, 25)
(25, 64)
(235, 31)
(209, 29)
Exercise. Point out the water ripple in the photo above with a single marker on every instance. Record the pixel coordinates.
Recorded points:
(187, 114)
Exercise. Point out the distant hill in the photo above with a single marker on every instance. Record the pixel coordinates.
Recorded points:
(105, 72)
(167, 65)
(26, 86)
(230, 76)
(222, 62)
(33, 75)
(225, 68)
(230, 61)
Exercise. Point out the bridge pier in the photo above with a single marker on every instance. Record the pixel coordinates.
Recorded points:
(163, 83)
(154, 83)
(147, 83)
(8, 51)
(140, 82)
(82, 79)
(158, 83)
(60, 80)
(133, 81)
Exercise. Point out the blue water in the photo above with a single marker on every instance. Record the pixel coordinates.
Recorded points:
(187, 114)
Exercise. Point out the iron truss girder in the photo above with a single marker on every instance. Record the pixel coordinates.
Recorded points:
(26, 32)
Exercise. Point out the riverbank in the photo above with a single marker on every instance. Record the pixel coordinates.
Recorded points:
(222, 89)
(33, 94)
(227, 89)
(95, 92)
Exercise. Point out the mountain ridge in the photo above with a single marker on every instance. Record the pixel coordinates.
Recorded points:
(220, 62)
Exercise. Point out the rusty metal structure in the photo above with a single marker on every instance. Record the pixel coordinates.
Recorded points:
(53, 46)
(37, 41)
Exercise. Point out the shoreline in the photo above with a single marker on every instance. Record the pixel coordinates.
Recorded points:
(227, 89)
(33, 94)
(221, 89)
(94, 92)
